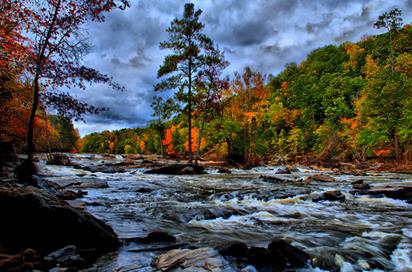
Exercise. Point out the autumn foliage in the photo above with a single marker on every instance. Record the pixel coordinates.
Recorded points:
(341, 103)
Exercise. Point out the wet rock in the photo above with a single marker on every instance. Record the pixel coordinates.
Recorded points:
(95, 184)
(71, 195)
(288, 253)
(63, 269)
(283, 170)
(277, 179)
(66, 257)
(401, 193)
(360, 185)
(103, 169)
(278, 256)
(224, 170)
(25, 171)
(24, 261)
(58, 159)
(144, 190)
(260, 257)
(249, 268)
(334, 195)
(178, 169)
(153, 237)
(45, 223)
(199, 260)
(320, 178)
(237, 250)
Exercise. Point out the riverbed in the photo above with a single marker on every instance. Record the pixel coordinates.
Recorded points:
(362, 233)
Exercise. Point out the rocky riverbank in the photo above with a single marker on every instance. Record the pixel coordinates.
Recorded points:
(39, 230)
(268, 218)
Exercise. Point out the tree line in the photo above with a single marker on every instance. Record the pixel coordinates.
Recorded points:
(343, 102)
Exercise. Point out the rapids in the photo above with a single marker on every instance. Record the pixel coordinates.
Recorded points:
(363, 233)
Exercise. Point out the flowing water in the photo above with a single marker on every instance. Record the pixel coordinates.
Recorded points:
(363, 233)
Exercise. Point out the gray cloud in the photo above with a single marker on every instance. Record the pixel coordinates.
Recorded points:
(263, 34)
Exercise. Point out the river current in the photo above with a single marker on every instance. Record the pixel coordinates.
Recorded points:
(363, 233)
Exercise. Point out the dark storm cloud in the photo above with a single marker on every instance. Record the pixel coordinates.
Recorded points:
(263, 34)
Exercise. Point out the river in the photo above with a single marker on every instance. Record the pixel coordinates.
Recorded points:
(362, 233)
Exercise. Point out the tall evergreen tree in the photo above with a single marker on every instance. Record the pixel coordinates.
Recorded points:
(181, 68)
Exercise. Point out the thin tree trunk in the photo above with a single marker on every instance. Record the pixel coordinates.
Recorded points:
(190, 112)
(200, 135)
(36, 89)
(30, 142)
(396, 146)
(160, 136)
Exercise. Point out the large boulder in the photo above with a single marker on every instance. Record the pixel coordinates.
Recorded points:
(32, 218)
(178, 169)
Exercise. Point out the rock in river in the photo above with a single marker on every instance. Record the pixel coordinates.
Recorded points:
(320, 178)
(360, 185)
(199, 260)
(178, 169)
(32, 218)
(334, 195)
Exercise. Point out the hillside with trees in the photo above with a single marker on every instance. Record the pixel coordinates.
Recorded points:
(343, 102)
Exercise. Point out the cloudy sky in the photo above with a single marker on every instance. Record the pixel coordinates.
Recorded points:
(263, 34)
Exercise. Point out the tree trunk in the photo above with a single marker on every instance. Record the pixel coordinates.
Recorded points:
(36, 89)
(199, 138)
(190, 112)
(30, 142)
(396, 146)
(161, 144)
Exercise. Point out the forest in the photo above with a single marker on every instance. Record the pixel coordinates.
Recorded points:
(347, 102)
(307, 170)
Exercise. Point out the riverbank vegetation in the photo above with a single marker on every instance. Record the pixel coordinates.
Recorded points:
(347, 102)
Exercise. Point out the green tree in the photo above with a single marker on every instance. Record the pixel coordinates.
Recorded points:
(180, 69)
(392, 21)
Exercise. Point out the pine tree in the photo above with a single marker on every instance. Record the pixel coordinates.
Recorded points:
(180, 69)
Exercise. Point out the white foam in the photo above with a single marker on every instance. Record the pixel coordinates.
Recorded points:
(344, 266)
(401, 257)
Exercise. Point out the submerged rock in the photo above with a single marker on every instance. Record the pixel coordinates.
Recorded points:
(32, 218)
(199, 260)
(178, 169)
